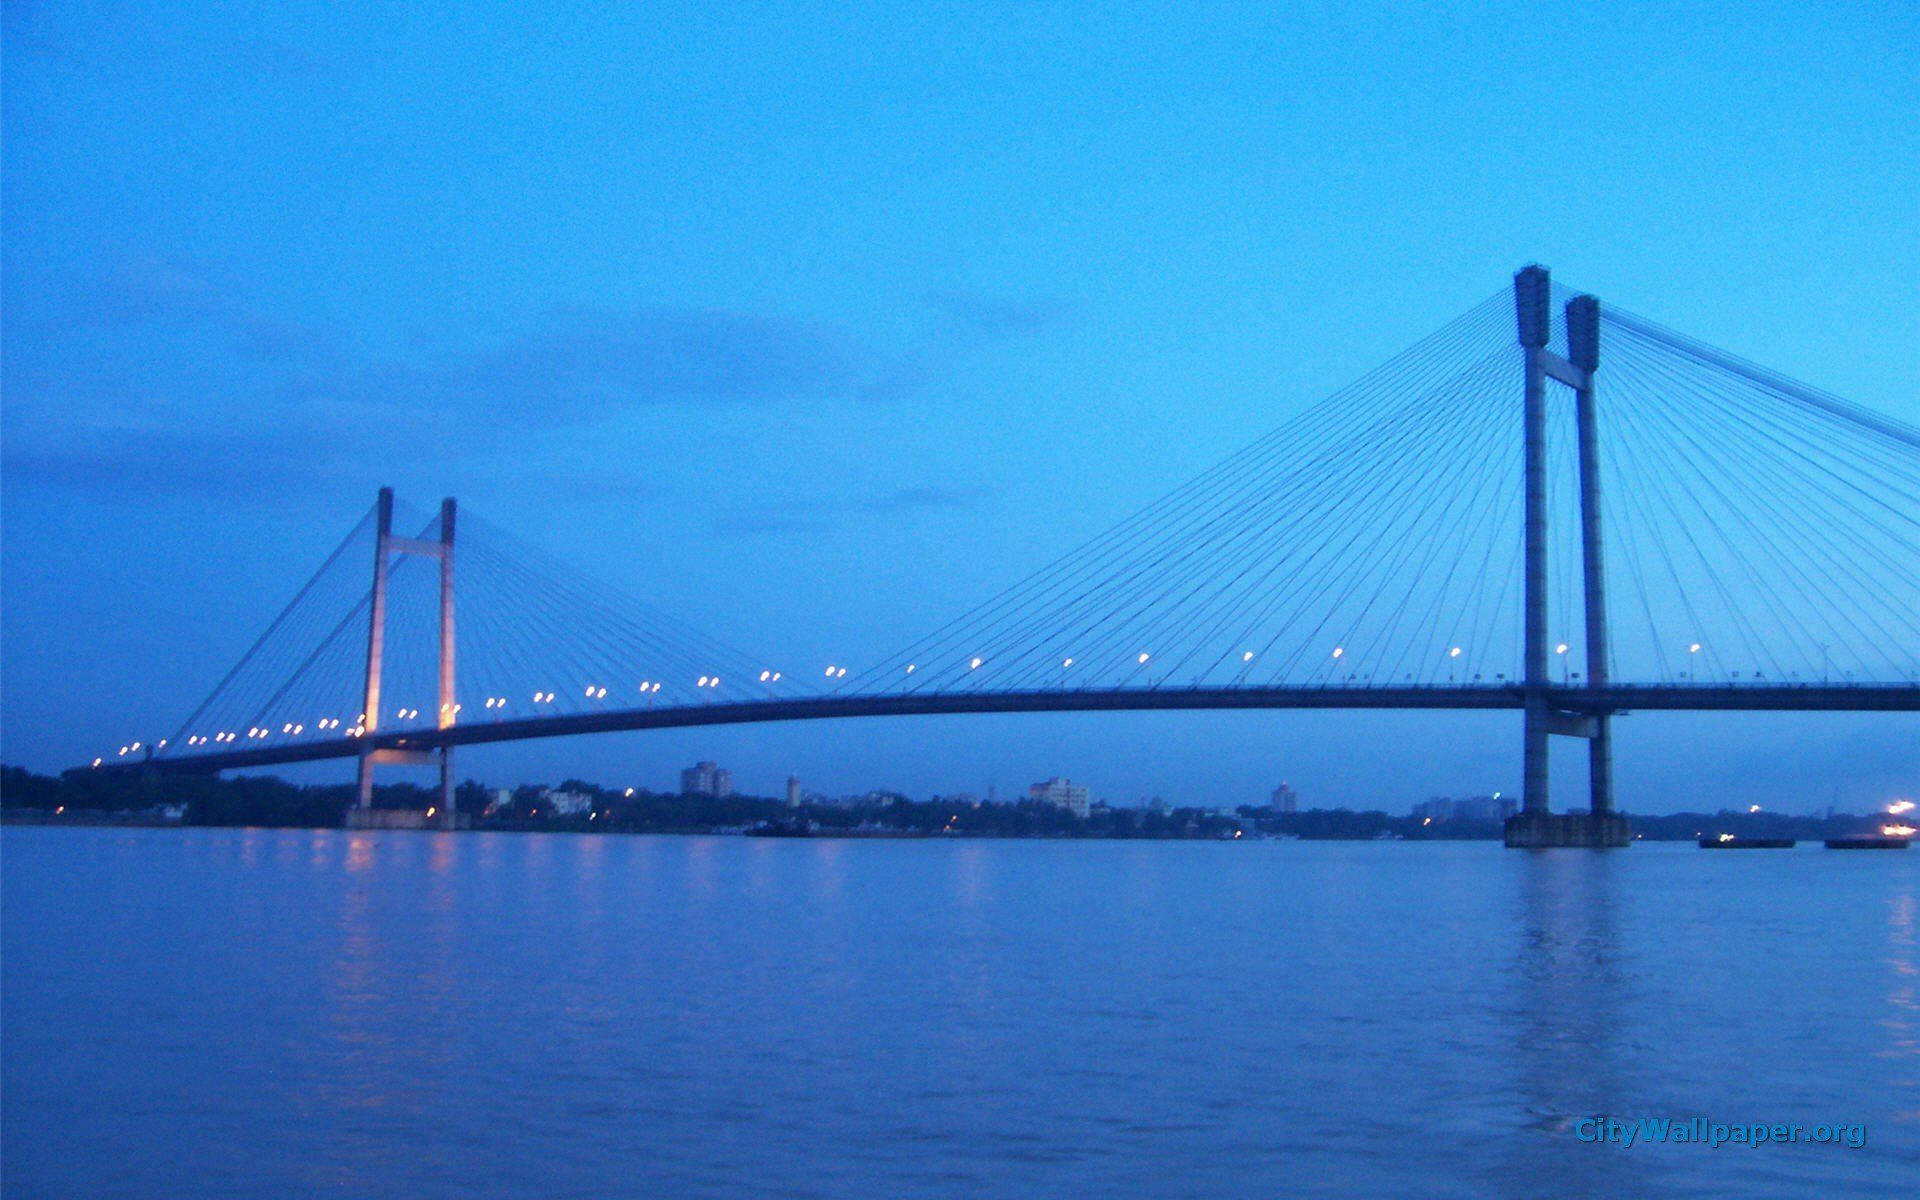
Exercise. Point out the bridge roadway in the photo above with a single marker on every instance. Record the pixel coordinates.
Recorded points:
(1612, 699)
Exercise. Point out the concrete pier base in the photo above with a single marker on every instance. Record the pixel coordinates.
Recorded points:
(1540, 830)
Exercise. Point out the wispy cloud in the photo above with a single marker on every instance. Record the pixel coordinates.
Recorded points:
(997, 316)
(296, 404)
(815, 514)
(963, 324)
(267, 340)
(136, 288)
(928, 498)
(219, 465)
(586, 364)
(275, 401)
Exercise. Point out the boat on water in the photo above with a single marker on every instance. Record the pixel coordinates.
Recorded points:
(1894, 835)
(1728, 841)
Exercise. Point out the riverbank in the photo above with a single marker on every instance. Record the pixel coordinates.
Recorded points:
(125, 798)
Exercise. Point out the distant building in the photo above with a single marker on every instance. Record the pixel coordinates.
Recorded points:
(1485, 808)
(1158, 805)
(565, 804)
(1061, 793)
(793, 791)
(1284, 800)
(1471, 808)
(706, 779)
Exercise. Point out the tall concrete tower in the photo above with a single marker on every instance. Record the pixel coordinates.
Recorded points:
(1536, 825)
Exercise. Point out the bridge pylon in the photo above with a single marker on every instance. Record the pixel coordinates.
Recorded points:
(386, 545)
(1537, 825)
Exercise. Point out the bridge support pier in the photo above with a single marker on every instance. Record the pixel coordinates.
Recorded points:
(376, 637)
(1537, 825)
(449, 708)
(385, 546)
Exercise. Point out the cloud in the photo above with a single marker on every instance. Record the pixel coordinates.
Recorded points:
(212, 464)
(588, 364)
(273, 402)
(295, 406)
(996, 316)
(746, 522)
(965, 322)
(573, 366)
(136, 288)
(813, 515)
(270, 341)
(929, 498)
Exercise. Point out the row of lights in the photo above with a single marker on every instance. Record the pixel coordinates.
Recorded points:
(975, 663)
(259, 731)
(593, 692)
(648, 687)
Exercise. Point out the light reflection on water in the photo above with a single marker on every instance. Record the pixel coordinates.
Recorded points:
(1903, 1004)
(261, 1013)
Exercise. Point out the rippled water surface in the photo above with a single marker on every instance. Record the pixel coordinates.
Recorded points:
(270, 1014)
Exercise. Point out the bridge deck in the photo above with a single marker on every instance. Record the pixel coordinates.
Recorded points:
(1707, 698)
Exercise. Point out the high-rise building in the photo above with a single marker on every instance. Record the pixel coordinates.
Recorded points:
(1062, 793)
(1484, 808)
(1471, 808)
(706, 779)
(1284, 800)
(793, 791)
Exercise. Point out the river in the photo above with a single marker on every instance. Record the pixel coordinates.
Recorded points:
(261, 1013)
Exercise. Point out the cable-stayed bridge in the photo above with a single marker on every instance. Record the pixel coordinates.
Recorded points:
(1594, 516)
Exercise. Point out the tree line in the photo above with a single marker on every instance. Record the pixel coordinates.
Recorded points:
(267, 800)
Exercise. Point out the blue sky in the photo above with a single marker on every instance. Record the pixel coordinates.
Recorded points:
(814, 324)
